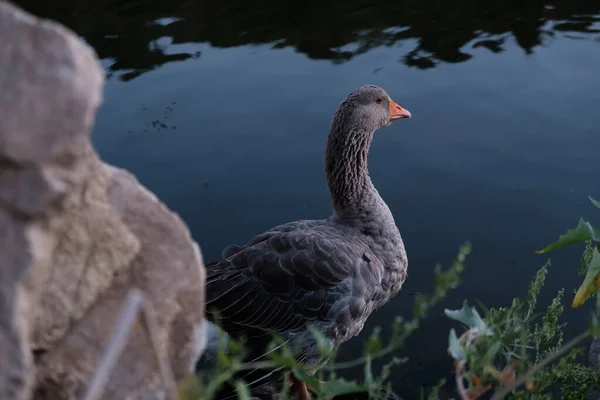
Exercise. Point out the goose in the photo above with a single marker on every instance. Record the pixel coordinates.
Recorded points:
(330, 274)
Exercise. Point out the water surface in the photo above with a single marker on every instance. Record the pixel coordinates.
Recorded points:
(222, 109)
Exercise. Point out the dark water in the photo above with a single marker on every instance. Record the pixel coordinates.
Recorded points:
(222, 109)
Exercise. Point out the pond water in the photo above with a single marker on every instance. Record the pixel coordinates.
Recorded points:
(222, 110)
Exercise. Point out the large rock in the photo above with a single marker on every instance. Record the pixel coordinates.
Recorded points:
(76, 235)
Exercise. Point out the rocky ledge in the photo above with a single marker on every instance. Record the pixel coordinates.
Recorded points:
(79, 238)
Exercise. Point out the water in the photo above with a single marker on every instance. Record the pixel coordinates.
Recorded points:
(222, 109)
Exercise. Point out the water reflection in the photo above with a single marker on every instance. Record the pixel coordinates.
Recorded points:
(135, 36)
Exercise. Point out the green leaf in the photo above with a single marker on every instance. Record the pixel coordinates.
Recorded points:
(242, 390)
(339, 387)
(374, 344)
(387, 368)
(492, 351)
(435, 391)
(591, 283)
(594, 202)
(467, 315)
(323, 345)
(584, 231)
(535, 286)
(456, 350)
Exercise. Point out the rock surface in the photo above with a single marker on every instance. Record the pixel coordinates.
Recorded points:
(76, 234)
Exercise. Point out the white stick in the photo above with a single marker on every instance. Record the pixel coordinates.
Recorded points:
(135, 302)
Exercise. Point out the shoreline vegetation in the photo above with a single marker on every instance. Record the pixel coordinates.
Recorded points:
(516, 352)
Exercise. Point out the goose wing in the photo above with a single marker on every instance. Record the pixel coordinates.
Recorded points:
(291, 276)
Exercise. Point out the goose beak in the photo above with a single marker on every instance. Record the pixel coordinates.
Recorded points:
(397, 112)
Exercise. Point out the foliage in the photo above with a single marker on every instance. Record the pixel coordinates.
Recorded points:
(576, 382)
(507, 347)
(513, 351)
(584, 232)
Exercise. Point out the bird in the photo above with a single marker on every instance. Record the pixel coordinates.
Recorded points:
(329, 274)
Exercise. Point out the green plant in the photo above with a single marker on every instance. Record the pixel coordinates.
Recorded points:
(505, 349)
(583, 232)
(511, 346)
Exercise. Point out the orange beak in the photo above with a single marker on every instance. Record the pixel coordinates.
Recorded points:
(397, 112)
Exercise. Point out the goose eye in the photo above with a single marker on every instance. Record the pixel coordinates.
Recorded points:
(378, 101)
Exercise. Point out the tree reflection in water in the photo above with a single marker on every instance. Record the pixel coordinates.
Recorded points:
(128, 33)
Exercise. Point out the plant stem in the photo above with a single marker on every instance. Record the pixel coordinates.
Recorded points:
(460, 385)
(360, 361)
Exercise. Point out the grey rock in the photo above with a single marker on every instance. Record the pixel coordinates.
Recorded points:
(77, 234)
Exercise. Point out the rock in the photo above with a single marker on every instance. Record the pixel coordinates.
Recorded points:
(76, 234)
